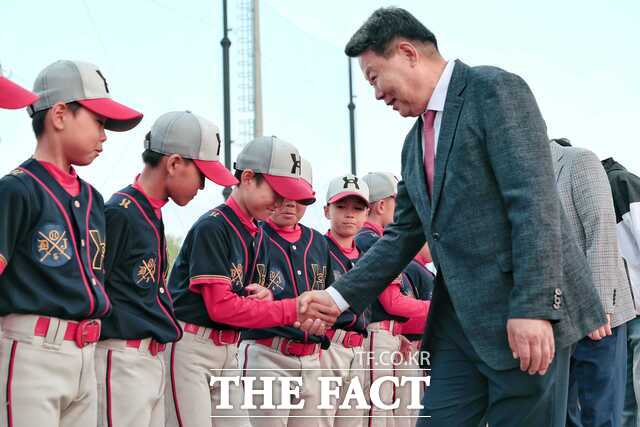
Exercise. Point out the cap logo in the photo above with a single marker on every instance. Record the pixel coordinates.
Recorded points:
(106, 87)
(348, 181)
(219, 144)
(296, 164)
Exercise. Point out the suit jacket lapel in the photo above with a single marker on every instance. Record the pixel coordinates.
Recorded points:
(448, 125)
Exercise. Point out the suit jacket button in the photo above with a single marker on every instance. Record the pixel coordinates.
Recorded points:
(556, 305)
(436, 236)
(558, 291)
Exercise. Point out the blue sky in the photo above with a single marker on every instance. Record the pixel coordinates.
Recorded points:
(580, 58)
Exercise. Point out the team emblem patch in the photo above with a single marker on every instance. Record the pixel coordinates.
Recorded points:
(237, 276)
(51, 245)
(275, 282)
(319, 276)
(145, 272)
(261, 269)
(16, 172)
(99, 250)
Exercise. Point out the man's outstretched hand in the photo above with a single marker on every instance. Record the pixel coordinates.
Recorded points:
(316, 312)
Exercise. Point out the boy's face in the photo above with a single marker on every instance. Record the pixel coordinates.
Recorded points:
(347, 216)
(82, 135)
(260, 199)
(288, 214)
(184, 179)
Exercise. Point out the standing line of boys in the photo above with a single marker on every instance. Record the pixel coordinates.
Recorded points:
(85, 299)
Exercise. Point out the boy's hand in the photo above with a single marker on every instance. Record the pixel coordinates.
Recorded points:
(258, 292)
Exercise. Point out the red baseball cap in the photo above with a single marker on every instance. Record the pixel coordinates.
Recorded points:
(13, 96)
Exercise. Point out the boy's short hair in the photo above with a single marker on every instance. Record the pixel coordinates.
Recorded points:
(38, 118)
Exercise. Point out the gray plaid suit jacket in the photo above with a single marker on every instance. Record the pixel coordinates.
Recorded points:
(585, 195)
(498, 239)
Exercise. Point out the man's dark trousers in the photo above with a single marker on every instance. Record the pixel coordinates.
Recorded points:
(465, 391)
(597, 381)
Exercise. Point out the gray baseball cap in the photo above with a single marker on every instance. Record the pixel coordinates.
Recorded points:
(81, 82)
(381, 185)
(345, 186)
(307, 175)
(193, 137)
(280, 163)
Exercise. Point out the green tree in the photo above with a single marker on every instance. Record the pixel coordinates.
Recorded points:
(173, 247)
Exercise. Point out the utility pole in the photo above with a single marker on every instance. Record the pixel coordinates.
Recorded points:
(352, 129)
(226, 43)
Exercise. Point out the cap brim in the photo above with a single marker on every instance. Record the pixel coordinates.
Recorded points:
(310, 201)
(290, 188)
(346, 194)
(13, 96)
(216, 172)
(119, 117)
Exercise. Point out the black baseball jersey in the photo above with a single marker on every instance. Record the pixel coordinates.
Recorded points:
(217, 247)
(52, 246)
(136, 269)
(288, 270)
(417, 282)
(365, 238)
(348, 320)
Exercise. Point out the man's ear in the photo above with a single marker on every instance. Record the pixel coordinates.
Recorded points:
(171, 163)
(408, 51)
(246, 176)
(56, 115)
(326, 212)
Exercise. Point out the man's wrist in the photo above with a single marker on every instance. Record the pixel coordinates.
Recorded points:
(337, 298)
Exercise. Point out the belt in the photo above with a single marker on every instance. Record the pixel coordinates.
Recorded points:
(154, 346)
(218, 336)
(83, 333)
(349, 339)
(290, 347)
(387, 325)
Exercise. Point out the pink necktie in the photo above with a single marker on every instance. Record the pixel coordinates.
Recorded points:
(429, 146)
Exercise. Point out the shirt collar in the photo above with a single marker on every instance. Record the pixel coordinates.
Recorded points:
(377, 228)
(439, 95)
(244, 218)
(351, 252)
(156, 204)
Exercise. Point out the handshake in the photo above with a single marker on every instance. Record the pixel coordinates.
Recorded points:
(316, 309)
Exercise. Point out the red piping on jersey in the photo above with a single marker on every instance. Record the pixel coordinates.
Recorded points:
(351, 253)
(12, 359)
(244, 246)
(293, 277)
(155, 231)
(173, 384)
(108, 385)
(371, 375)
(107, 304)
(304, 258)
(156, 204)
(244, 218)
(344, 269)
(73, 237)
(255, 257)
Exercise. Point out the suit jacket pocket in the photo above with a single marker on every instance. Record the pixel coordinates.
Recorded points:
(504, 262)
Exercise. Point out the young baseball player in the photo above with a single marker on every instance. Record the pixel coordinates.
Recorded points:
(417, 283)
(295, 260)
(180, 151)
(14, 96)
(52, 249)
(214, 273)
(395, 305)
(346, 208)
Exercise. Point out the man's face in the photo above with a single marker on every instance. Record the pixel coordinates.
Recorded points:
(347, 216)
(82, 136)
(288, 214)
(394, 80)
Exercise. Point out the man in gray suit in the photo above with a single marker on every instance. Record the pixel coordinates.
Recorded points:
(513, 288)
(598, 364)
